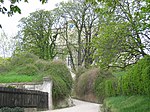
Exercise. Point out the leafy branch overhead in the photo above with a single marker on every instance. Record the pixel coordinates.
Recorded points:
(13, 8)
(126, 27)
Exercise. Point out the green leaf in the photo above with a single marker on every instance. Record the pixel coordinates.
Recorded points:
(5, 8)
(2, 1)
(26, 1)
(15, 9)
(13, 1)
(18, 9)
(43, 1)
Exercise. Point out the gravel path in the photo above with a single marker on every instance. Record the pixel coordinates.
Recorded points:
(80, 106)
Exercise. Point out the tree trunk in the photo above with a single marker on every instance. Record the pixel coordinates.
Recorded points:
(79, 48)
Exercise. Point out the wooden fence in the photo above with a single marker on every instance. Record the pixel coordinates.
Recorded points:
(11, 97)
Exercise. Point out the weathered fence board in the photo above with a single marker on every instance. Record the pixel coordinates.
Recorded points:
(11, 97)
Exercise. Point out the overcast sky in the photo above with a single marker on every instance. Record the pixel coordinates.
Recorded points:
(9, 24)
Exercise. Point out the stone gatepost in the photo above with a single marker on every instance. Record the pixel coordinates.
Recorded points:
(47, 87)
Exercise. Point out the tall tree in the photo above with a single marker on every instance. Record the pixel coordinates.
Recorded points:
(84, 20)
(39, 34)
(126, 18)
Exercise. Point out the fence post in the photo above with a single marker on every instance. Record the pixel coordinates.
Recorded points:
(47, 87)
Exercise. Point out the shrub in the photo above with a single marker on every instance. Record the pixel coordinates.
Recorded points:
(80, 71)
(135, 82)
(41, 64)
(110, 87)
(60, 90)
(4, 65)
(85, 84)
(23, 59)
(62, 80)
(28, 69)
(99, 86)
(91, 83)
(59, 68)
(3, 68)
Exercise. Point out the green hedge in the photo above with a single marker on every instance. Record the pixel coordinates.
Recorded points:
(135, 82)
(99, 86)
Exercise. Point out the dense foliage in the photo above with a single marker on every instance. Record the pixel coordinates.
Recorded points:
(62, 80)
(135, 82)
(125, 24)
(3, 64)
(99, 86)
(38, 34)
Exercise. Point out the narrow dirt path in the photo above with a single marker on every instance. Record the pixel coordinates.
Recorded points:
(80, 106)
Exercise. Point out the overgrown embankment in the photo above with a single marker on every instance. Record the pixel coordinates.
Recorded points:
(135, 82)
(130, 92)
(28, 67)
(90, 83)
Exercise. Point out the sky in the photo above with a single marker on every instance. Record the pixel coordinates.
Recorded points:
(9, 24)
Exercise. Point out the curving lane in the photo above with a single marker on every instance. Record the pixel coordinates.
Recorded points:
(80, 106)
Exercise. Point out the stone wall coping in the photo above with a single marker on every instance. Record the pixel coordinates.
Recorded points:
(46, 79)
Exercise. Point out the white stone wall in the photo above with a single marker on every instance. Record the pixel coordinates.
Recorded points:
(47, 87)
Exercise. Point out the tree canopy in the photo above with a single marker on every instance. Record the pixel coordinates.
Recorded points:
(106, 33)
(38, 34)
(85, 25)
(124, 34)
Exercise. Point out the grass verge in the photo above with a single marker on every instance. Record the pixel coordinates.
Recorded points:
(13, 77)
(128, 104)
